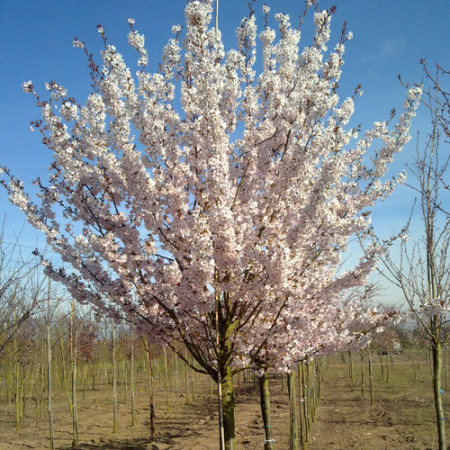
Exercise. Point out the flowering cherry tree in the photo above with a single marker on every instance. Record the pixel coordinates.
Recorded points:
(207, 203)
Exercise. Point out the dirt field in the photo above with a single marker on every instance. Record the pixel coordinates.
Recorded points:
(402, 417)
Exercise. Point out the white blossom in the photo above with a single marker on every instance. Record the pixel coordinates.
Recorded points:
(69, 111)
(27, 86)
(77, 43)
(176, 29)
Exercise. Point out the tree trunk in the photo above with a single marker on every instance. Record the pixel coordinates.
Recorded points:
(306, 418)
(150, 389)
(186, 380)
(437, 369)
(125, 378)
(372, 396)
(38, 391)
(17, 383)
(50, 386)
(228, 409)
(414, 364)
(73, 342)
(114, 379)
(177, 382)
(264, 396)
(166, 379)
(351, 372)
(363, 386)
(446, 368)
(64, 382)
(293, 432)
(388, 365)
(132, 389)
(94, 371)
(301, 405)
(239, 384)
(194, 377)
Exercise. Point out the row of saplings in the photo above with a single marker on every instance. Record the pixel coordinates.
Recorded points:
(84, 355)
(89, 356)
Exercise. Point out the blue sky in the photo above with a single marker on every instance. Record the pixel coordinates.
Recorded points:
(390, 37)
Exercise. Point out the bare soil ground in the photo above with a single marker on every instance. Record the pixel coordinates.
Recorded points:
(402, 417)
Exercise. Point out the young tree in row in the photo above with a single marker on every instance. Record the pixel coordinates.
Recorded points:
(422, 271)
(206, 222)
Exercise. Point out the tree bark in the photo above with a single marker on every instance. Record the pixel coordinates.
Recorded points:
(363, 386)
(49, 385)
(186, 380)
(64, 382)
(437, 370)
(301, 404)
(150, 389)
(114, 379)
(293, 432)
(351, 372)
(372, 396)
(17, 383)
(264, 396)
(387, 365)
(73, 348)
(166, 379)
(446, 368)
(306, 418)
(228, 409)
(132, 389)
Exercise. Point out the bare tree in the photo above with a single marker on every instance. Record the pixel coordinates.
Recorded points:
(422, 270)
(439, 100)
(19, 292)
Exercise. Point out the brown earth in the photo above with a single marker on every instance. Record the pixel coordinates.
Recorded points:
(402, 417)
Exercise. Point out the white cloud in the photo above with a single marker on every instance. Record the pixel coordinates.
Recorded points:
(389, 48)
